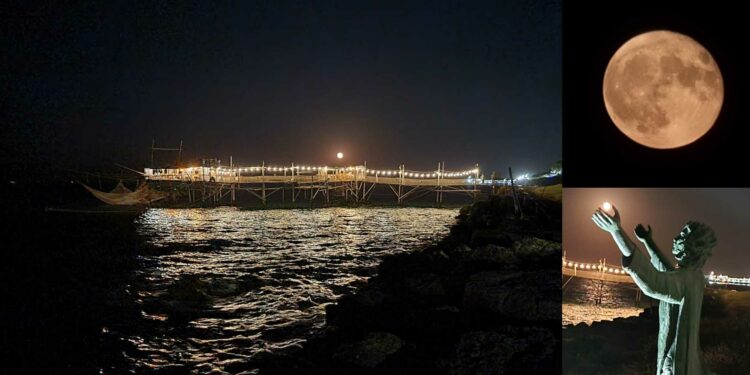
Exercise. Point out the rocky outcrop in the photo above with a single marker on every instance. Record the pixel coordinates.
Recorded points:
(518, 295)
(485, 300)
(371, 351)
(493, 352)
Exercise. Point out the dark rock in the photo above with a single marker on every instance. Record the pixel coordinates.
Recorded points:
(356, 312)
(462, 249)
(502, 352)
(223, 287)
(194, 290)
(371, 351)
(276, 363)
(449, 308)
(519, 295)
(218, 243)
(427, 284)
(250, 282)
(432, 322)
(189, 290)
(493, 236)
(306, 303)
(369, 297)
(171, 370)
(494, 254)
(530, 248)
(237, 366)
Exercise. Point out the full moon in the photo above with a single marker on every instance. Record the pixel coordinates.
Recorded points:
(340, 155)
(663, 89)
(607, 206)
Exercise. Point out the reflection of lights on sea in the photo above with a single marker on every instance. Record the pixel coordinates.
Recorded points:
(227, 247)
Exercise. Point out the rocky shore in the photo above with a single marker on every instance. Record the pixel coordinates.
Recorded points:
(628, 345)
(485, 300)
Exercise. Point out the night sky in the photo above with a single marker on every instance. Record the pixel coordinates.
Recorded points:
(727, 211)
(382, 81)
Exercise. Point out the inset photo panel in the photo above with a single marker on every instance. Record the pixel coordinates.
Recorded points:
(653, 94)
(655, 281)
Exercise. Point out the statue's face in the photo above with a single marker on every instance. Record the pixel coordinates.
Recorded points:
(678, 245)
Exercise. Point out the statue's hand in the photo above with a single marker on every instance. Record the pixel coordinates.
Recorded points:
(642, 234)
(606, 222)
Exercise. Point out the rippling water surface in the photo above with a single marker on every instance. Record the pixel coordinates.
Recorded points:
(220, 285)
(616, 300)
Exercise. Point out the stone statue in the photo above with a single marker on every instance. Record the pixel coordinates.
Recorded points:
(679, 289)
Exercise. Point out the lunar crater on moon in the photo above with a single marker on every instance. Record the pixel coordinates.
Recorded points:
(663, 89)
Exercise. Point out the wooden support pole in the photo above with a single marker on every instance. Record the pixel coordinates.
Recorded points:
(231, 170)
(294, 198)
(327, 191)
(437, 191)
(363, 185)
(400, 182)
(441, 187)
(263, 180)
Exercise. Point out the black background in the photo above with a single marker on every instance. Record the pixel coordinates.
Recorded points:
(596, 153)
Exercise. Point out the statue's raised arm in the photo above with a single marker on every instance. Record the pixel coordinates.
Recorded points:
(611, 224)
(658, 259)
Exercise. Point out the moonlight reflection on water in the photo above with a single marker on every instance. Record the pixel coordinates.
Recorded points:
(220, 285)
(616, 300)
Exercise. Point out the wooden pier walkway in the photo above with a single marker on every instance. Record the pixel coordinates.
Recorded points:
(353, 182)
(313, 175)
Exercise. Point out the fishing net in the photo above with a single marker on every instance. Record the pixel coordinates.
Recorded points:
(122, 196)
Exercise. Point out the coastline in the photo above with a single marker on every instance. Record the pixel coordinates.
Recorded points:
(485, 299)
(479, 300)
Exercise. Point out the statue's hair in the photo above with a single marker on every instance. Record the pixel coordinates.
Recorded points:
(701, 242)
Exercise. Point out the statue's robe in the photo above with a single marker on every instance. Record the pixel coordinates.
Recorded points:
(668, 313)
(683, 288)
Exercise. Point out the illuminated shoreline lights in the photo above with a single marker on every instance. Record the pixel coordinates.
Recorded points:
(598, 267)
(307, 169)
